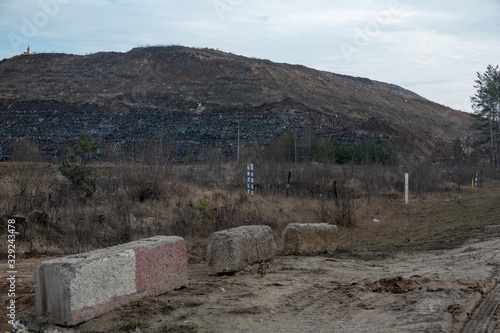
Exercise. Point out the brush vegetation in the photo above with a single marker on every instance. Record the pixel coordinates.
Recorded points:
(145, 194)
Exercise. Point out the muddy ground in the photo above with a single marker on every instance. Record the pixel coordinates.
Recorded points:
(453, 290)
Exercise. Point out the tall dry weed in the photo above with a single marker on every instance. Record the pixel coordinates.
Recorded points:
(194, 201)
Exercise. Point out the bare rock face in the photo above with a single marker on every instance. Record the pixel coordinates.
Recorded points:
(232, 250)
(309, 239)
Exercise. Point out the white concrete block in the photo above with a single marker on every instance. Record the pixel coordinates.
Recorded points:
(76, 288)
(232, 250)
(309, 238)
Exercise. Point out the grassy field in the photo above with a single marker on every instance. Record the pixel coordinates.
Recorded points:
(435, 223)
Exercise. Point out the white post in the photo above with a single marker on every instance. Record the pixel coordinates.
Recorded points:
(406, 188)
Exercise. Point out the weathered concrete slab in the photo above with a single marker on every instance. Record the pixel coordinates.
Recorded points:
(309, 238)
(77, 288)
(232, 250)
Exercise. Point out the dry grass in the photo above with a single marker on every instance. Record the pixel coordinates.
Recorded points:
(52, 219)
(436, 222)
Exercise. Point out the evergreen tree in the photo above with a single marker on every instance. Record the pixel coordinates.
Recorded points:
(486, 104)
(75, 167)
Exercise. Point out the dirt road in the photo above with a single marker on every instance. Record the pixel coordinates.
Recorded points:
(445, 291)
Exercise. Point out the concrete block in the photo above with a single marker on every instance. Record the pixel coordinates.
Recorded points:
(77, 288)
(232, 250)
(309, 238)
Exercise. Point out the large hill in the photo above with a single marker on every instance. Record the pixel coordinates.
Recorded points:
(197, 97)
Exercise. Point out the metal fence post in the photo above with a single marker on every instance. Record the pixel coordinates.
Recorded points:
(250, 186)
(251, 180)
(407, 188)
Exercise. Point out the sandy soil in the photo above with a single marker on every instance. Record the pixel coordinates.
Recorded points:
(444, 291)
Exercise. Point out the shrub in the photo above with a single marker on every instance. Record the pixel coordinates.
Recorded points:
(424, 178)
(149, 163)
(75, 167)
(346, 208)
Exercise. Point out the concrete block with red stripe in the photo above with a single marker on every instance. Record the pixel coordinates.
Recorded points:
(80, 287)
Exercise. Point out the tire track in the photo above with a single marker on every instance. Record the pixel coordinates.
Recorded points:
(320, 307)
(483, 318)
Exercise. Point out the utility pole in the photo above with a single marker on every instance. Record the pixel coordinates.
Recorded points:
(295, 145)
(468, 138)
(238, 152)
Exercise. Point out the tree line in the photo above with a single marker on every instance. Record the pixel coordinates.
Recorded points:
(289, 148)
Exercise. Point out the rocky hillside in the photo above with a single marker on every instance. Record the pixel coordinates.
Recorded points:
(197, 98)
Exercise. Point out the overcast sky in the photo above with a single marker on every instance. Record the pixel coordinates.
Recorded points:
(434, 48)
